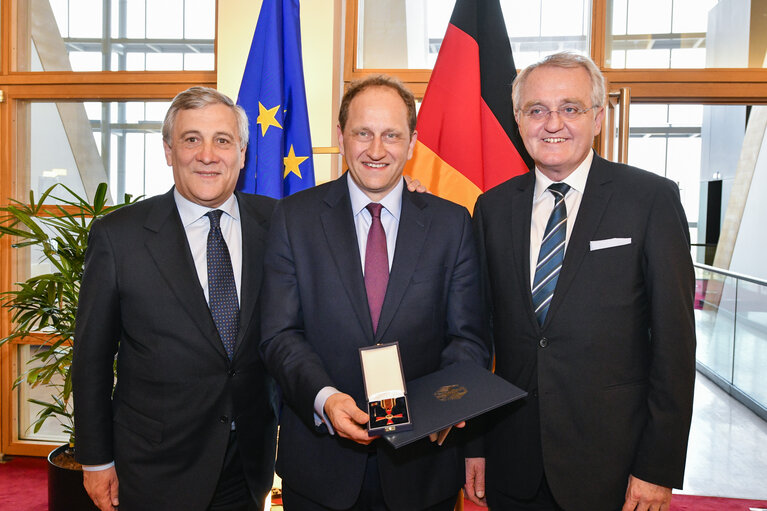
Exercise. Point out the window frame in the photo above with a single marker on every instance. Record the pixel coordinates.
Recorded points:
(20, 86)
(707, 86)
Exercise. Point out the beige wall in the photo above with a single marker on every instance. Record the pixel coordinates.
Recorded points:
(320, 40)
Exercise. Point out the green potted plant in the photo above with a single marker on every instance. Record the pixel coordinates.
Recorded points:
(44, 306)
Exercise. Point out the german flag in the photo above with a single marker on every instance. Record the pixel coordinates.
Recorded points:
(468, 140)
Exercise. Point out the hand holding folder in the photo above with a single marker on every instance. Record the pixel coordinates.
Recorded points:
(450, 396)
(440, 436)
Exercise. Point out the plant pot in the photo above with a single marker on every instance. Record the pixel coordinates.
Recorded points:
(65, 486)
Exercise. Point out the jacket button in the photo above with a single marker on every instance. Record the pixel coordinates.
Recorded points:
(231, 372)
(223, 419)
(543, 342)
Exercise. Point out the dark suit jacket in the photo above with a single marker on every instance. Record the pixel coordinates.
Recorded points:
(315, 317)
(610, 374)
(168, 423)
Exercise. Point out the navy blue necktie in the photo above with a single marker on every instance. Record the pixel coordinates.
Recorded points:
(552, 253)
(222, 291)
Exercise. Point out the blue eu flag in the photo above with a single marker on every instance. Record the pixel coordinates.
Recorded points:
(279, 158)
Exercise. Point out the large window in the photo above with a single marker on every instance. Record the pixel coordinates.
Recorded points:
(116, 35)
(685, 34)
(124, 147)
(68, 117)
(666, 139)
(691, 144)
(408, 34)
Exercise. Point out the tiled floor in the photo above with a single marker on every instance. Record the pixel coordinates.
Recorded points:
(727, 454)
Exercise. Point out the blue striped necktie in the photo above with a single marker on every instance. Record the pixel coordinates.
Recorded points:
(552, 253)
(222, 291)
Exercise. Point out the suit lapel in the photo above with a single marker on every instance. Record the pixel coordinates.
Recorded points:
(595, 199)
(520, 213)
(338, 224)
(168, 246)
(411, 235)
(253, 242)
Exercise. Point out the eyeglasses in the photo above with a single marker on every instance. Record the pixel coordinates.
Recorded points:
(567, 112)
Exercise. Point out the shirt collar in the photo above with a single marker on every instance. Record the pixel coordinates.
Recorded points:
(190, 211)
(392, 202)
(576, 180)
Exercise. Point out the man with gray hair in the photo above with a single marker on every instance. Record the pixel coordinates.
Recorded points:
(170, 289)
(589, 279)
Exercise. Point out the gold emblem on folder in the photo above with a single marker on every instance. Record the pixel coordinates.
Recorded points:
(450, 392)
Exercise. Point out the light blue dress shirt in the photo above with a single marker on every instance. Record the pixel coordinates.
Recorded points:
(197, 225)
(390, 215)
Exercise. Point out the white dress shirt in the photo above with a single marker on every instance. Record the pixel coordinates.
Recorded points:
(197, 225)
(543, 204)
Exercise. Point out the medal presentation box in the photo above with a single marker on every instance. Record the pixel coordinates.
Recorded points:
(453, 394)
(385, 389)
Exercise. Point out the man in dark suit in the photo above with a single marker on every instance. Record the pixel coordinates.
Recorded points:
(322, 301)
(590, 283)
(172, 291)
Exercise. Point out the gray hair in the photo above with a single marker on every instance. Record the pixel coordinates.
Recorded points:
(568, 60)
(200, 97)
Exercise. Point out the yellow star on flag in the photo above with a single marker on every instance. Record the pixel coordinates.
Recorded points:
(266, 118)
(292, 162)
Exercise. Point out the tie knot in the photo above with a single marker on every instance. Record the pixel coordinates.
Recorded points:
(559, 190)
(375, 209)
(215, 217)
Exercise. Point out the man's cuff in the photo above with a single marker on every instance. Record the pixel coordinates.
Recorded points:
(96, 468)
(319, 407)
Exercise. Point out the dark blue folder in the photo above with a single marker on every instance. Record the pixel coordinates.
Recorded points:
(453, 394)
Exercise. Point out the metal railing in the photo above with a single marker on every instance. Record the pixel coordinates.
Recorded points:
(731, 324)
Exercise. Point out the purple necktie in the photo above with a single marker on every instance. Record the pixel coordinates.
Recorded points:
(376, 264)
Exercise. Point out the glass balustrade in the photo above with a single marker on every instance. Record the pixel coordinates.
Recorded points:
(731, 323)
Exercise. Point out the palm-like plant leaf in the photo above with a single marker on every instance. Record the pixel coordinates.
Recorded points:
(47, 303)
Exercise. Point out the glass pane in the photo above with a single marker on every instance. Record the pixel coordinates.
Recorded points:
(750, 342)
(675, 34)
(397, 34)
(715, 321)
(51, 430)
(115, 35)
(197, 25)
(82, 144)
(164, 20)
(85, 19)
(543, 27)
(692, 145)
(665, 139)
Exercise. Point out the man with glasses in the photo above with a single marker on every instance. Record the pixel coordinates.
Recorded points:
(590, 282)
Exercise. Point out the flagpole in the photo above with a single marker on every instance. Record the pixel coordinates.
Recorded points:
(326, 150)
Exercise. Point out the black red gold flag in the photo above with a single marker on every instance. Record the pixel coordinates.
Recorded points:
(468, 140)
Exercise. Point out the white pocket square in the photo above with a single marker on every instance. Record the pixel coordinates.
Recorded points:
(608, 243)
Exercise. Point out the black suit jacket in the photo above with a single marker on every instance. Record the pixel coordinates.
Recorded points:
(168, 423)
(610, 374)
(315, 317)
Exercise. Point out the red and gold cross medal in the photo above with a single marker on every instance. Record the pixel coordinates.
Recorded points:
(388, 406)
